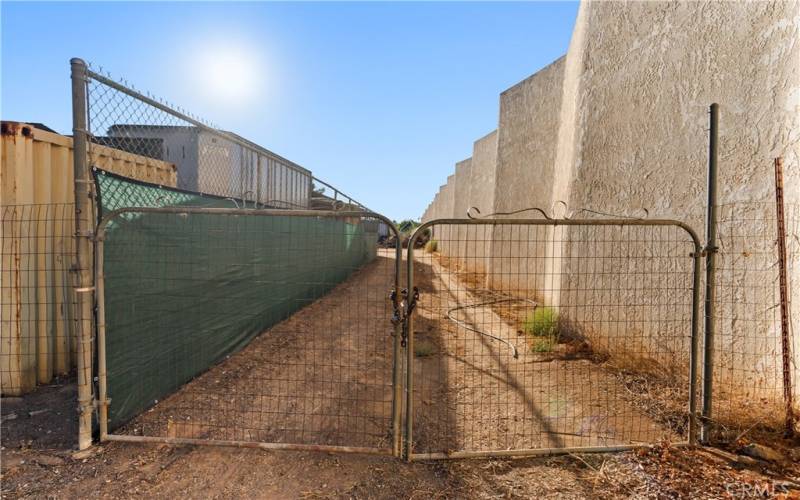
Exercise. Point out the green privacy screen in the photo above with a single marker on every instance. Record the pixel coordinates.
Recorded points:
(183, 291)
(115, 191)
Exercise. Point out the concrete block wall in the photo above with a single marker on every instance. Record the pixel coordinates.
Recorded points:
(619, 124)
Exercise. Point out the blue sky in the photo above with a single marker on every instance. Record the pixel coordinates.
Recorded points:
(379, 99)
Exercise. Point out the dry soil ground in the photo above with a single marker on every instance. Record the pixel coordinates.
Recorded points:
(474, 394)
(37, 460)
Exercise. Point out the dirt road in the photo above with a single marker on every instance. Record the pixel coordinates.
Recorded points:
(321, 377)
(474, 395)
(306, 381)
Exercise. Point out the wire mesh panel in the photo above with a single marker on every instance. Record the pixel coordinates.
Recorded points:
(749, 362)
(37, 321)
(543, 335)
(252, 327)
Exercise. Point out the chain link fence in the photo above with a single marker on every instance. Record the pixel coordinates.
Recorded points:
(208, 160)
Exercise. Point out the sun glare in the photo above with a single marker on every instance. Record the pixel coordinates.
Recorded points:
(230, 74)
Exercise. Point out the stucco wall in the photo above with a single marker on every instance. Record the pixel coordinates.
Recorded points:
(527, 135)
(463, 244)
(462, 188)
(648, 73)
(482, 192)
(445, 210)
(434, 212)
(484, 172)
(620, 124)
(526, 152)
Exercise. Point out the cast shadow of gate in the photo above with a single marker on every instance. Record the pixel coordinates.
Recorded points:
(468, 394)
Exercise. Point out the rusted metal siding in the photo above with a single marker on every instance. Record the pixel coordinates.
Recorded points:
(37, 165)
(37, 332)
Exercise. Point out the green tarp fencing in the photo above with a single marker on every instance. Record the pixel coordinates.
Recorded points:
(115, 192)
(182, 292)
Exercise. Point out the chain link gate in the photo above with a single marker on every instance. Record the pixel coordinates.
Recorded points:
(243, 327)
(543, 336)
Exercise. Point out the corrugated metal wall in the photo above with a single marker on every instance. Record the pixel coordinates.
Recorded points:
(37, 207)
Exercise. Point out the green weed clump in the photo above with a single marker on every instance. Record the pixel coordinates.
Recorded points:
(542, 326)
(431, 246)
(423, 349)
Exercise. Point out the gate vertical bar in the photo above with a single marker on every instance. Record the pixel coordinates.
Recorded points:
(695, 341)
(83, 249)
(102, 371)
(397, 362)
(711, 254)
(784, 295)
(408, 335)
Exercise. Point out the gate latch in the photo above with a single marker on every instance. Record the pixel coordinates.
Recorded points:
(401, 310)
(410, 303)
(397, 315)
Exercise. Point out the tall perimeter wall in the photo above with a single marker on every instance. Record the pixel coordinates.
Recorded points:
(619, 124)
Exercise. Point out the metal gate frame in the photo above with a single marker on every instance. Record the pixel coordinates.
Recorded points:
(408, 331)
(103, 401)
(403, 303)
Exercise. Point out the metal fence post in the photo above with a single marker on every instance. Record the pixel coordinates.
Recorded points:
(83, 250)
(786, 345)
(711, 253)
(695, 341)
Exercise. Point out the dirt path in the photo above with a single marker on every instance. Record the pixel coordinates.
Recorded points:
(321, 377)
(346, 399)
(474, 395)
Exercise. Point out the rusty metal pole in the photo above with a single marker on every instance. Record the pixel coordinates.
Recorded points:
(784, 294)
(711, 257)
(83, 250)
